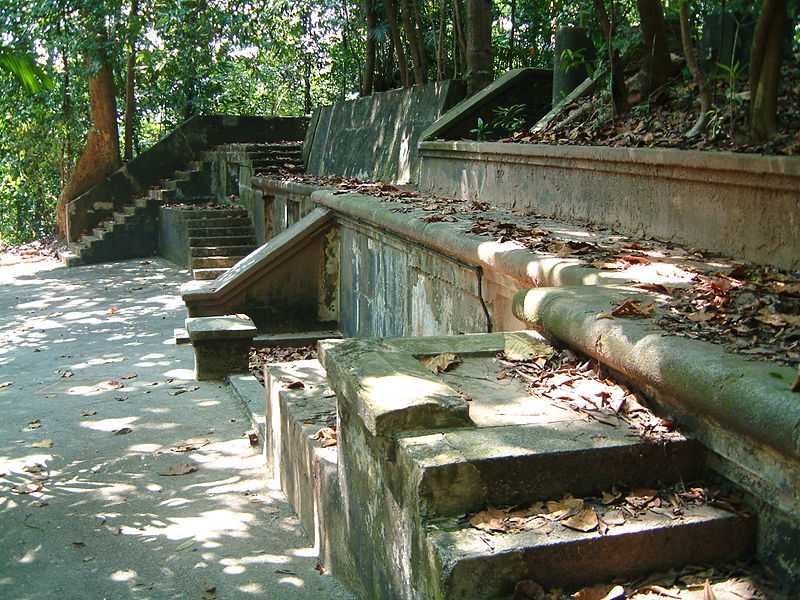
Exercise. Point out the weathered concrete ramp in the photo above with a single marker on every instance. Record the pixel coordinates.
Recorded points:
(376, 137)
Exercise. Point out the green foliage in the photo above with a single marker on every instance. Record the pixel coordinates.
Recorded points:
(481, 130)
(509, 119)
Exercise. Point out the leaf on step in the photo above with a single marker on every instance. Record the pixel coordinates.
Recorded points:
(185, 544)
(182, 390)
(252, 437)
(527, 589)
(326, 437)
(122, 431)
(35, 424)
(88, 413)
(633, 308)
(491, 519)
(611, 497)
(777, 319)
(614, 518)
(561, 509)
(6, 384)
(522, 347)
(189, 445)
(42, 444)
(178, 469)
(701, 316)
(129, 376)
(440, 363)
(585, 521)
(600, 592)
(295, 385)
(640, 498)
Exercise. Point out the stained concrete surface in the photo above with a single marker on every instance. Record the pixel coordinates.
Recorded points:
(106, 524)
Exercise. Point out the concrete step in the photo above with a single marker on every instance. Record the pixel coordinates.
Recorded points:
(206, 274)
(203, 262)
(202, 214)
(242, 220)
(504, 466)
(205, 242)
(221, 251)
(198, 232)
(478, 564)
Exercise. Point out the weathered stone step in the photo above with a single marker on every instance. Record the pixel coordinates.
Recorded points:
(198, 214)
(221, 250)
(205, 242)
(474, 564)
(233, 221)
(202, 262)
(275, 161)
(198, 232)
(206, 274)
(463, 470)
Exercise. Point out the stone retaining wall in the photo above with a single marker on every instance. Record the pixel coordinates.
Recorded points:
(743, 206)
(376, 137)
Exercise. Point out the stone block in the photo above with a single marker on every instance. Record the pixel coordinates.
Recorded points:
(221, 344)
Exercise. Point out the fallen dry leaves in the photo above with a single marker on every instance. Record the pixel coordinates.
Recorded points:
(440, 363)
(326, 437)
(259, 357)
(178, 469)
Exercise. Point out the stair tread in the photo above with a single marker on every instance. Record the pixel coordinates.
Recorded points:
(553, 554)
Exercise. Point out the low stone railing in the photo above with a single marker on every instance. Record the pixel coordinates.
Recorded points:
(740, 205)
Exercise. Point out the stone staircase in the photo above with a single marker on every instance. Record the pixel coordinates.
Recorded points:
(275, 158)
(132, 231)
(218, 239)
(463, 485)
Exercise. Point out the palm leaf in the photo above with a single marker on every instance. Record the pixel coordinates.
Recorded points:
(24, 69)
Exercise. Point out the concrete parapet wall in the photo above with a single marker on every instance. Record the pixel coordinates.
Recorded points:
(376, 137)
(743, 206)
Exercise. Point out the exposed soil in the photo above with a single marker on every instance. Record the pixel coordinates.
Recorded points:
(664, 121)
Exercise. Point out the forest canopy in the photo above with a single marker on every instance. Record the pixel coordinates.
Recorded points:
(157, 62)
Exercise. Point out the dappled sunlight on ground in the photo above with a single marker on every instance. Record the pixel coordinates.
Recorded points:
(116, 467)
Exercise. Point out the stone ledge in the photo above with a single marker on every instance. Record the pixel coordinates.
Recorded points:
(747, 205)
(453, 239)
(224, 327)
(390, 391)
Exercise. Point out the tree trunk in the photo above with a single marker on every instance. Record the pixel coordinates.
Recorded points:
(765, 69)
(513, 34)
(619, 91)
(460, 36)
(305, 18)
(66, 115)
(368, 82)
(654, 32)
(479, 45)
(100, 156)
(414, 41)
(390, 11)
(440, 41)
(699, 77)
(130, 84)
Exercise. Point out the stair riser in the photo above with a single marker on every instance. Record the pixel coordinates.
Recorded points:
(203, 214)
(221, 251)
(222, 241)
(216, 232)
(216, 222)
(207, 274)
(215, 262)
(597, 558)
(513, 480)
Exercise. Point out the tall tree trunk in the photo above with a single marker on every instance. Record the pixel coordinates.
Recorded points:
(441, 49)
(654, 32)
(619, 91)
(130, 83)
(513, 35)
(66, 115)
(765, 70)
(390, 12)
(414, 41)
(100, 156)
(479, 45)
(699, 77)
(368, 81)
(305, 18)
(460, 35)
